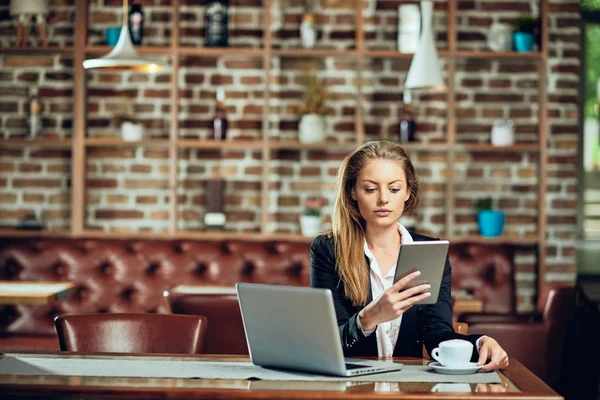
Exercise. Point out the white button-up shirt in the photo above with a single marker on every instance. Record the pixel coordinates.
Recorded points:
(387, 332)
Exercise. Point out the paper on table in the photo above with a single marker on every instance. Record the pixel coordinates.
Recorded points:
(190, 368)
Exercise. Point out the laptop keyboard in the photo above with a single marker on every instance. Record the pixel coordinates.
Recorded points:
(355, 366)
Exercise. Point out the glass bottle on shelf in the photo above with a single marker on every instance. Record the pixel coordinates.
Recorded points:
(216, 24)
(407, 126)
(136, 23)
(307, 27)
(220, 119)
(35, 114)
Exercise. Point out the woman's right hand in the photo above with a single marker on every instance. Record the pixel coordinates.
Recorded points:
(394, 302)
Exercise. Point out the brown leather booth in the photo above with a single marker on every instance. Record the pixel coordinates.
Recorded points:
(131, 275)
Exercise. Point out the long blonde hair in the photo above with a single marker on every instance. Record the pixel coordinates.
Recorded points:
(348, 226)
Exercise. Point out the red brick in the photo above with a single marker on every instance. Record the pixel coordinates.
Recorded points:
(118, 214)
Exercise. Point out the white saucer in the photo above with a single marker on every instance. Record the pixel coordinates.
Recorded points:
(470, 368)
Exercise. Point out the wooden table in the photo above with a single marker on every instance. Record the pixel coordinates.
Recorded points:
(518, 383)
(38, 293)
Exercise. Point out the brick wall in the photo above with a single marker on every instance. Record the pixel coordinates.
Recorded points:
(128, 187)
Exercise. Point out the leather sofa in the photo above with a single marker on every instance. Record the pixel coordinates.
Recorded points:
(131, 275)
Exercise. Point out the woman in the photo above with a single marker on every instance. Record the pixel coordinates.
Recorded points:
(377, 184)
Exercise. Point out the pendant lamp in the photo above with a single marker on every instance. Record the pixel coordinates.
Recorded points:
(124, 56)
(425, 71)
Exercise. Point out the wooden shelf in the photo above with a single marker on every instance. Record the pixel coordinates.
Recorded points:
(97, 50)
(294, 144)
(514, 240)
(17, 233)
(219, 144)
(184, 51)
(219, 51)
(259, 52)
(494, 55)
(37, 50)
(60, 143)
(100, 142)
(313, 53)
(274, 145)
(192, 235)
(489, 148)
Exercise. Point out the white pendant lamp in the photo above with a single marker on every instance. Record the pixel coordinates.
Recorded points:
(124, 56)
(425, 71)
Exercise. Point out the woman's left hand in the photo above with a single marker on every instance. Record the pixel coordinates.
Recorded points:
(491, 355)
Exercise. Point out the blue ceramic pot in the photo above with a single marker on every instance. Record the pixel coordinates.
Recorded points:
(523, 42)
(112, 35)
(491, 223)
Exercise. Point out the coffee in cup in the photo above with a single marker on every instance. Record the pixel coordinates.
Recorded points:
(453, 353)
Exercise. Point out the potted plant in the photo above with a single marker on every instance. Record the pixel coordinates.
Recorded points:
(491, 222)
(311, 128)
(132, 129)
(525, 34)
(310, 221)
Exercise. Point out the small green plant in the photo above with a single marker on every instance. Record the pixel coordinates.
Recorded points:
(483, 204)
(313, 206)
(527, 24)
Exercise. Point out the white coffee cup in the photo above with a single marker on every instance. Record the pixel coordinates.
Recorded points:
(452, 388)
(453, 353)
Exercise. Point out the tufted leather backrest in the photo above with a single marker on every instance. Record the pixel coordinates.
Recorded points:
(130, 275)
(485, 272)
(131, 333)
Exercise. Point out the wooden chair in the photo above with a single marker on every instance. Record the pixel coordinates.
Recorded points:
(459, 327)
(131, 333)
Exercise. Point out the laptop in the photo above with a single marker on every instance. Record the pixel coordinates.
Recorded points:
(295, 328)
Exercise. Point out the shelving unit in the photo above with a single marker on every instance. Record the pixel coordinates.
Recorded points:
(450, 148)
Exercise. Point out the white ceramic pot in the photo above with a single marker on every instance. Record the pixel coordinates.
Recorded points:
(502, 133)
(131, 132)
(311, 129)
(310, 225)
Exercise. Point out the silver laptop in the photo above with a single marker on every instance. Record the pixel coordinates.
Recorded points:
(295, 328)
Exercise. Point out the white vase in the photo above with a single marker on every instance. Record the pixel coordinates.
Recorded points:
(502, 133)
(307, 31)
(131, 132)
(311, 129)
(310, 225)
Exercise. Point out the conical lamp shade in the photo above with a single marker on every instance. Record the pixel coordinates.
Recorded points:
(425, 71)
(123, 56)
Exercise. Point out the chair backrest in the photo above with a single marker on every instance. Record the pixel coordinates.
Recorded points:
(459, 327)
(225, 333)
(131, 333)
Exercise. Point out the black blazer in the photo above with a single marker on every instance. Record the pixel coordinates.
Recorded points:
(429, 324)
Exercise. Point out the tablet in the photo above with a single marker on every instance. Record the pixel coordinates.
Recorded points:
(429, 257)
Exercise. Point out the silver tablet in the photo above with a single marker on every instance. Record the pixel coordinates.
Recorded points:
(429, 257)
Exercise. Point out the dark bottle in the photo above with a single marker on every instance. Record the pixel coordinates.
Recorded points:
(407, 126)
(217, 20)
(220, 119)
(136, 22)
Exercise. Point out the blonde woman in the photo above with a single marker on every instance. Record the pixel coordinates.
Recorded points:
(377, 184)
